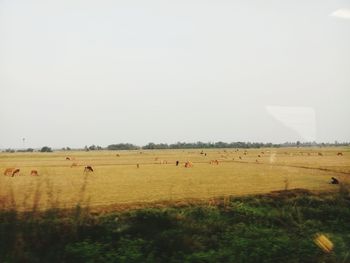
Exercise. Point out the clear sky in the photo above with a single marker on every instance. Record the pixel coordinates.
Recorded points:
(75, 73)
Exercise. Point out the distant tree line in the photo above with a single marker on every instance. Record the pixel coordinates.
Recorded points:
(187, 145)
(9, 150)
(122, 146)
(202, 145)
(29, 150)
(244, 145)
(93, 148)
(313, 144)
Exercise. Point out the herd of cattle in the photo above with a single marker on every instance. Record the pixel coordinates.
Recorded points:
(16, 171)
(188, 164)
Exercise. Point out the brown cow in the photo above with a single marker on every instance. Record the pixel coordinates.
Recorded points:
(340, 154)
(8, 171)
(240, 157)
(177, 163)
(138, 165)
(88, 169)
(259, 155)
(68, 158)
(15, 172)
(34, 173)
(188, 164)
(320, 154)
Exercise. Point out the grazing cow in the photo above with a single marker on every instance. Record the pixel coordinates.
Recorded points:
(340, 154)
(88, 169)
(334, 180)
(245, 153)
(262, 152)
(177, 163)
(68, 158)
(240, 157)
(320, 154)
(15, 172)
(8, 171)
(74, 165)
(34, 173)
(214, 162)
(256, 161)
(117, 155)
(205, 154)
(188, 164)
(138, 165)
(259, 155)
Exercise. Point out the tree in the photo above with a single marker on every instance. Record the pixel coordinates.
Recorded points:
(92, 148)
(45, 149)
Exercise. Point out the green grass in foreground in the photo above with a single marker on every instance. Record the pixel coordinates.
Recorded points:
(270, 228)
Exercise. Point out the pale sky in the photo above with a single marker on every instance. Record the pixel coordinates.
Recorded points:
(75, 73)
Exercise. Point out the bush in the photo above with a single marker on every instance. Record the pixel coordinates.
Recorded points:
(250, 229)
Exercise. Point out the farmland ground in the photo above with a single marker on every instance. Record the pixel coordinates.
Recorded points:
(116, 180)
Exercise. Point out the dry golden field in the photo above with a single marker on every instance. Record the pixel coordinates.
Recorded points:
(116, 179)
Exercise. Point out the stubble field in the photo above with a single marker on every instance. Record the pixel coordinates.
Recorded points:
(116, 179)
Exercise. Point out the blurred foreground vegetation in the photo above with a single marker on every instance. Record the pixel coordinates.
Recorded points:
(277, 227)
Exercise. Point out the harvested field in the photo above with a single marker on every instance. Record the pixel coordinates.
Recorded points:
(116, 179)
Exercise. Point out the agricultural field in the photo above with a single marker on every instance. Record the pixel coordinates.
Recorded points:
(117, 180)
